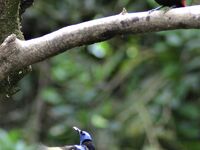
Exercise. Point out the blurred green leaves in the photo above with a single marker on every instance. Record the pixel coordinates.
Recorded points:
(100, 50)
(50, 95)
(136, 92)
(11, 141)
(99, 122)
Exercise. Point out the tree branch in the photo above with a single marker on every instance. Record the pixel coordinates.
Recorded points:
(16, 54)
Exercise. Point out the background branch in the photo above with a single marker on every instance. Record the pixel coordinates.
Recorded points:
(16, 54)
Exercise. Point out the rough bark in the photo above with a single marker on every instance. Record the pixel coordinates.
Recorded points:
(10, 23)
(16, 54)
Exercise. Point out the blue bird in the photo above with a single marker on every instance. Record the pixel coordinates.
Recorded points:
(86, 143)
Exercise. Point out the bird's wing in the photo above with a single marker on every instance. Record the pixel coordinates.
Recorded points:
(71, 147)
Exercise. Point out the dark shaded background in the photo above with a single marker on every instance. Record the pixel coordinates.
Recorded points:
(134, 92)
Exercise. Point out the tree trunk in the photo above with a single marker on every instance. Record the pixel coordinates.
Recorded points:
(10, 23)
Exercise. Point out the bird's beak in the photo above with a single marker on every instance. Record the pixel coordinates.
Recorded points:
(77, 129)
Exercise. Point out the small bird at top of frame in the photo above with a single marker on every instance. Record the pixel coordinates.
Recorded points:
(170, 3)
(86, 143)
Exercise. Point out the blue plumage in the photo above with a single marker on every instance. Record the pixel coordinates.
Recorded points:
(86, 143)
(80, 147)
(84, 136)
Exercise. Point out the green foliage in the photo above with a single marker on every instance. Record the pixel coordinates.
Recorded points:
(135, 92)
(12, 141)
